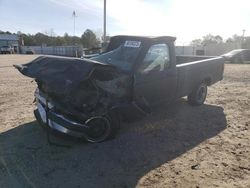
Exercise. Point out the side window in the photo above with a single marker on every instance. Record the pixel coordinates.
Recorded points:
(156, 59)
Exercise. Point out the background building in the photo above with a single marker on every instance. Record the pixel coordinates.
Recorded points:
(10, 40)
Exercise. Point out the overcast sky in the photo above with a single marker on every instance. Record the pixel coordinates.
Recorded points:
(185, 19)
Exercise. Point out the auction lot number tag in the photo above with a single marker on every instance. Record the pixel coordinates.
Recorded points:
(132, 44)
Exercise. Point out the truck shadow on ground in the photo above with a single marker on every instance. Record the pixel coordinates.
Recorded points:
(27, 160)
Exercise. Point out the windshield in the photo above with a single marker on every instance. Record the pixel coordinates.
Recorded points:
(122, 57)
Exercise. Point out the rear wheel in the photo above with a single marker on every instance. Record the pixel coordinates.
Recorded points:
(198, 95)
(101, 128)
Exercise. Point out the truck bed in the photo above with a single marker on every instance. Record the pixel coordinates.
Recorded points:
(193, 73)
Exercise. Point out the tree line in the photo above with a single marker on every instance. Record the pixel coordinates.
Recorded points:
(217, 39)
(87, 40)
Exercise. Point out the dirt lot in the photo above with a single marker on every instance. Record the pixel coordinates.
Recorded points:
(176, 146)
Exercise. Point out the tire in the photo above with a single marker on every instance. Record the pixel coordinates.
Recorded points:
(102, 128)
(198, 95)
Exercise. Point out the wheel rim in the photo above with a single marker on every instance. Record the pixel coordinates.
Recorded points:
(98, 129)
(202, 92)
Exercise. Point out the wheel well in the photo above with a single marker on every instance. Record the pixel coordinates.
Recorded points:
(208, 81)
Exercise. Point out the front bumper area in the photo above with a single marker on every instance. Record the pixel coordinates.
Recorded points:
(45, 115)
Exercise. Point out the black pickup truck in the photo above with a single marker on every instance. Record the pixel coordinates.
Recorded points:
(88, 97)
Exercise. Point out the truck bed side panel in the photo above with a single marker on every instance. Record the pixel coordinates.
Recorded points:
(193, 73)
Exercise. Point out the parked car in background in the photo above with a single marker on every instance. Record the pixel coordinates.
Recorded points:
(91, 52)
(238, 56)
(7, 50)
(30, 51)
(89, 56)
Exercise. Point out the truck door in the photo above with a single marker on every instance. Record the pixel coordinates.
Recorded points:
(156, 76)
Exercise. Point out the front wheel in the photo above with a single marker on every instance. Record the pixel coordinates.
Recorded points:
(101, 128)
(198, 95)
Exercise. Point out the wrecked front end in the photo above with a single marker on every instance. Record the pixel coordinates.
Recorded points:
(78, 97)
(47, 114)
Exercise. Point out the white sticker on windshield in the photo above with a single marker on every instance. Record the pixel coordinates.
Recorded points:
(132, 44)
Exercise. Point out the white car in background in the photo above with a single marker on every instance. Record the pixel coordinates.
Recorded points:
(7, 50)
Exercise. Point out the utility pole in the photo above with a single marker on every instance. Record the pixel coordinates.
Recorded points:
(74, 17)
(243, 35)
(104, 22)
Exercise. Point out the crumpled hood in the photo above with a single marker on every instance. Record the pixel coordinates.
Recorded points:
(80, 85)
(60, 74)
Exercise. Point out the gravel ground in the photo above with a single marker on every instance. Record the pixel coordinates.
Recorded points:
(176, 146)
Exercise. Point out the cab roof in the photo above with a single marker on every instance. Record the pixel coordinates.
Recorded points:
(129, 37)
(115, 41)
